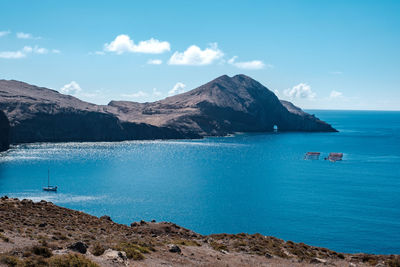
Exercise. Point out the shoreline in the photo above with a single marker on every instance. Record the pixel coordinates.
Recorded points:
(26, 226)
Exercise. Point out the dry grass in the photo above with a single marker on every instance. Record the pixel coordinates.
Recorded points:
(186, 242)
(71, 260)
(31, 221)
(97, 249)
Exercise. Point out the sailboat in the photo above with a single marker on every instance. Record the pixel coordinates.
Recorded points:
(49, 187)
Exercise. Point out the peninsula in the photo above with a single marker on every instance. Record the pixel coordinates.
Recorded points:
(220, 107)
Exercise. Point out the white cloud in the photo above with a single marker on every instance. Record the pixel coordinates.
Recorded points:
(156, 92)
(123, 43)
(249, 65)
(193, 55)
(12, 54)
(4, 33)
(154, 61)
(23, 52)
(40, 50)
(302, 90)
(71, 88)
(335, 94)
(336, 72)
(177, 89)
(99, 53)
(23, 35)
(135, 95)
(143, 95)
(55, 51)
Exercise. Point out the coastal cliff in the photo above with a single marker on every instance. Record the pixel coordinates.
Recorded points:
(223, 106)
(39, 114)
(4, 132)
(43, 234)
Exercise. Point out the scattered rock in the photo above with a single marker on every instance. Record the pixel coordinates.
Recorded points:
(174, 249)
(42, 225)
(317, 261)
(79, 247)
(106, 217)
(142, 222)
(268, 256)
(134, 224)
(153, 221)
(115, 256)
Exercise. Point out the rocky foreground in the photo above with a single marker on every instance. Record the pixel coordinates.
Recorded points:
(43, 234)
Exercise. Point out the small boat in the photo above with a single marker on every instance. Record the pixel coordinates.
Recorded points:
(49, 187)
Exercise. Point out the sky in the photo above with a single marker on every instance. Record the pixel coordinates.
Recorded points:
(317, 54)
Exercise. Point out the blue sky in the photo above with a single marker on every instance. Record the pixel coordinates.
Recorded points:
(317, 54)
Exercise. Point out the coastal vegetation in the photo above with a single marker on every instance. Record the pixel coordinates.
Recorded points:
(43, 234)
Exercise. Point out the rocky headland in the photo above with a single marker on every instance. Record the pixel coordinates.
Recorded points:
(43, 234)
(223, 106)
(4, 132)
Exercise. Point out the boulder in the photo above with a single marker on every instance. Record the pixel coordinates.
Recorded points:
(106, 217)
(79, 247)
(114, 256)
(174, 249)
(317, 261)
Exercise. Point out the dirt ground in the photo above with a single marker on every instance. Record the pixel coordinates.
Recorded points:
(43, 234)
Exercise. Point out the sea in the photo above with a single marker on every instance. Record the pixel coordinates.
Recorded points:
(252, 183)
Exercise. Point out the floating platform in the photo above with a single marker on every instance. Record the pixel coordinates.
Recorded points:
(334, 157)
(312, 155)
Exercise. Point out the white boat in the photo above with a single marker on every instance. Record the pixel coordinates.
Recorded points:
(49, 187)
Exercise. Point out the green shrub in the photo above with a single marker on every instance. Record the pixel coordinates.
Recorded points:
(9, 260)
(394, 262)
(218, 246)
(42, 251)
(133, 251)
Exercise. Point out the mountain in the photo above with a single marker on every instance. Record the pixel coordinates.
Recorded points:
(220, 107)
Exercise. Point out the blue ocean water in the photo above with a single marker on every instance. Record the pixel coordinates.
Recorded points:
(244, 183)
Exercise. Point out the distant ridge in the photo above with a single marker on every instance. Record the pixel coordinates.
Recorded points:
(220, 107)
